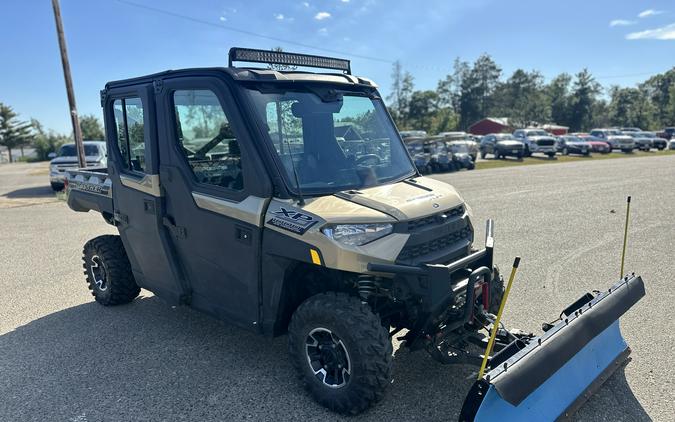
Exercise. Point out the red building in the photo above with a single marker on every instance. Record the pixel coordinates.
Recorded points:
(491, 125)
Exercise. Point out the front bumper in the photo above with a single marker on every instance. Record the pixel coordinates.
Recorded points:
(439, 286)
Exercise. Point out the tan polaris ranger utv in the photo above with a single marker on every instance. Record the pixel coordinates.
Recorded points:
(233, 194)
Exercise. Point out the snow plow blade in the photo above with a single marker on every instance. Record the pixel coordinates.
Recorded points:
(551, 376)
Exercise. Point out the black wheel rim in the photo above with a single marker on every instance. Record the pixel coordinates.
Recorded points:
(98, 273)
(328, 358)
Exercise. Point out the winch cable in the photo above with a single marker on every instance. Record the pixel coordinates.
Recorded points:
(496, 324)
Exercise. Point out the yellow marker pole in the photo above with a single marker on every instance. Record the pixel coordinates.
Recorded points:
(495, 326)
(625, 236)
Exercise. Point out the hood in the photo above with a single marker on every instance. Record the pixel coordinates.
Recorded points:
(620, 137)
(510, 143)
(400, 201)
(541, 138)
(73, 159)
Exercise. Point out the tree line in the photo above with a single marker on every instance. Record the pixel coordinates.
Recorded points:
(16, 133)
(477, 90)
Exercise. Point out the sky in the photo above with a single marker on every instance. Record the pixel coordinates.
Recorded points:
(621, 42)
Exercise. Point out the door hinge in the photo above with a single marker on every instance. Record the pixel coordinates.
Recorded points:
(177, 231)
(157, 85)
(120, 218)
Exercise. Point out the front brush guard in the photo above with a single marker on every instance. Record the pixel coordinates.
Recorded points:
(431, 283)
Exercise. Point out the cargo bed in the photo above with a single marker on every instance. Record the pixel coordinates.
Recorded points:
(90, 189)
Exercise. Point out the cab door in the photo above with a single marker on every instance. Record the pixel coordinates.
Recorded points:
(216, 196)
(137, 197)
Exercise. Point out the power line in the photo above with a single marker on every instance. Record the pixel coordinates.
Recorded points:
(250, 33)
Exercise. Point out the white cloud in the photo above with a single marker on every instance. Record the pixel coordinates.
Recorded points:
(279, 16)
(664, 33)
(621, 22)
(649, 12)
(321, 16)
(323, 31)
(223, 18)
(306, 4)
(344, 1)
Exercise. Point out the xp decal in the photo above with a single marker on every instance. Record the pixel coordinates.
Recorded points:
(292, 220)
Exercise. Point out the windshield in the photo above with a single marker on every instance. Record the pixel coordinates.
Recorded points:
(505, 138)
(537, 133)
(345, 143)
(70, 150)
(614, 132)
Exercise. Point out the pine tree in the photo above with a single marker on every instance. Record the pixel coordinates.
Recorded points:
(13, 133)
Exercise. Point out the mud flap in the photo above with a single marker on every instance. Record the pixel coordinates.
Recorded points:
(550, 376)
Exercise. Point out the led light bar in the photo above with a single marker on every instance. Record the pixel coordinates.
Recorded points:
(291, 59)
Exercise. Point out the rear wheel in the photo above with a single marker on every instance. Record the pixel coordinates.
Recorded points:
(550, 154)
(341, 351)
(483, 154)
(108, 271)
(56, 187)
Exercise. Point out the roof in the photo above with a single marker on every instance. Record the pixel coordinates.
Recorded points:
(250, 74)
(504, 121)
(552, 126)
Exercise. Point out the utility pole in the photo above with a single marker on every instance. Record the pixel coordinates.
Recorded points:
(77, 131)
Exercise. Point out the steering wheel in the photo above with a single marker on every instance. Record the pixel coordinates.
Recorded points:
(365, 158)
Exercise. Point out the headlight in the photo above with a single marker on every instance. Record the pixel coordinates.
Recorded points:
(357, 234)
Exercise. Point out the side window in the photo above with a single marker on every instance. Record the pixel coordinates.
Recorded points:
(207, 140)
(130, 134)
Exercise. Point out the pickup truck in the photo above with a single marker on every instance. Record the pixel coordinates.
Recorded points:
(537, 141)
(615, 138)
(95, 156)
(667, 133)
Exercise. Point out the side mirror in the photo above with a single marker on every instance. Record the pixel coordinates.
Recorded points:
(51, 155)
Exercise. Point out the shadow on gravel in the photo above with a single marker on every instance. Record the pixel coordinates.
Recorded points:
(34, 192)
(149, 361)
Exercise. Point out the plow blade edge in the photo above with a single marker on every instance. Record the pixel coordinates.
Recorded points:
(550, 376)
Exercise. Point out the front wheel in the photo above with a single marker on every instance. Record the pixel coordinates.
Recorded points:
(108, 271)
(341, 351)
(57, 187)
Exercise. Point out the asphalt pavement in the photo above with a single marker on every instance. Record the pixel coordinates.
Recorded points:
(63, 357)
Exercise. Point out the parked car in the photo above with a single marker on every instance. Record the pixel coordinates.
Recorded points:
(615, 139)
(657, 142)
(570, 144)
(671, 144)
(596, 144)
(667, 133)
(413, 134)
(501, 145)
(95, 156)
(643, 141)
(536, 141)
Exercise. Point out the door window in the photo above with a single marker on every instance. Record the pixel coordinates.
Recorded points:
(130, 132)
(207, 139)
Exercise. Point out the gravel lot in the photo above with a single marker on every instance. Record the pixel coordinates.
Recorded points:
(63, 357)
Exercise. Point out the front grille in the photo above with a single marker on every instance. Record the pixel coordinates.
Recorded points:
(413, 252)
(436, 238)
(545, 142)
(415, 225)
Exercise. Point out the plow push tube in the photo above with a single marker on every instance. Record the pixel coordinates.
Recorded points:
(550, 376)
